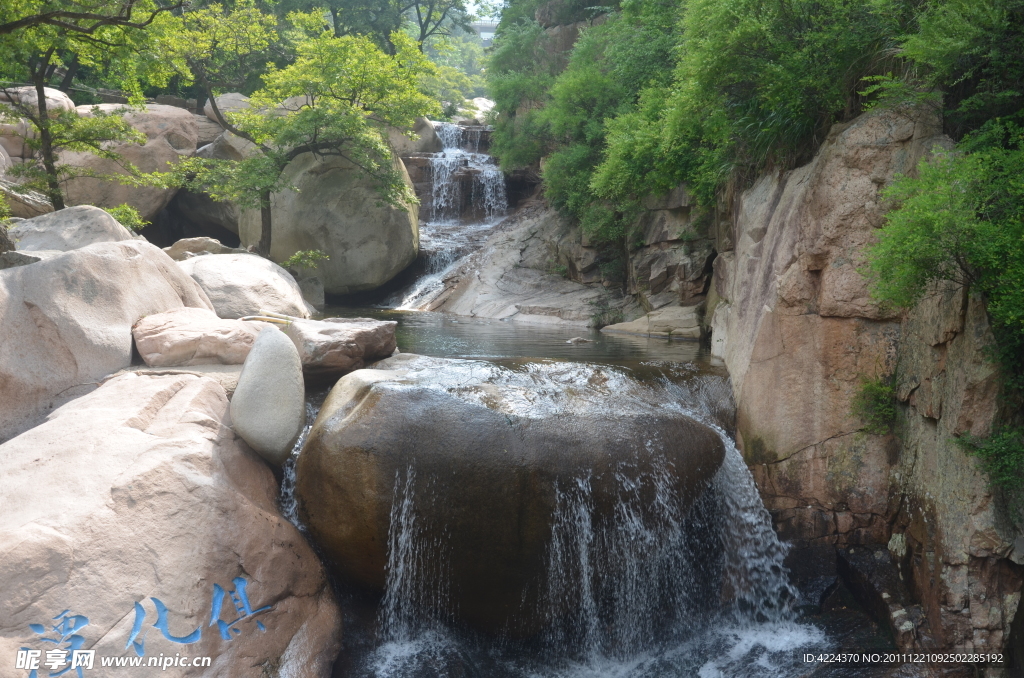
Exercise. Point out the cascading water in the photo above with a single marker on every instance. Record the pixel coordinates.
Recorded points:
(660, 588)
(457, 221)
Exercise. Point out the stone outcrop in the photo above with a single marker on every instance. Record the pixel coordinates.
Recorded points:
(171, 134)
(514, 276)
(186, 248)
(245, 284)
(68, 229)
(337, 210)
(951, 539)
(137, 506)
(478, 453)
(268, 409)
(67, 322)
(798, 320)
(339, 345)
(671, 322)
(193, 336)
(795, 324)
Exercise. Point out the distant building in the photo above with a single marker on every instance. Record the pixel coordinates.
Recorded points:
(485, 29)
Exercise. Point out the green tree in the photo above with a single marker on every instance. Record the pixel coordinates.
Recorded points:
(48, 40)
(335, 100)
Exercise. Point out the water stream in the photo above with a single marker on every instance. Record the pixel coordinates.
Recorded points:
(663, 588)
(467, 199)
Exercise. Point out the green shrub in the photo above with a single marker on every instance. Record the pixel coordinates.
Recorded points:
(875, 404)
(1002, 457)
(128, 217)
(305, 259)
(962, 220)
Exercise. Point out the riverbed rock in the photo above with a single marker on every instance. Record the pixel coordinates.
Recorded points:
(671, 322)
(171, 134)
(69, 229)
(481, 451)
(193, 336)
(186, 248)
(511, 277)
(337, 346)
(13, 258)
(337, 210)
(268, 409)
(137, 493)
(67, 322)
(245, 284)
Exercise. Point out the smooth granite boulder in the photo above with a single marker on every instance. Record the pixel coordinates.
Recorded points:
(472, 462)
(245, 284)
(194, 336)
(268, 409)
(67, 321)
(68, 229)
(136, 504)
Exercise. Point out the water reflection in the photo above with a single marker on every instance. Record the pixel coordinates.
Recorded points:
(445, 336)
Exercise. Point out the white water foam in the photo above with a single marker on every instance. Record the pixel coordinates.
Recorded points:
(627, 599)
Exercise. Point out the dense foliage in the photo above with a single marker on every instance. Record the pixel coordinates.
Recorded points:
(711, 93)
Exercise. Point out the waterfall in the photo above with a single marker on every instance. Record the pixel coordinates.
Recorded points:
(467, 198)
(416, 592)
(658, 588)
(460, 156)
(287, 501)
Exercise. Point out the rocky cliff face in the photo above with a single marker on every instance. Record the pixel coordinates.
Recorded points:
(794, 322)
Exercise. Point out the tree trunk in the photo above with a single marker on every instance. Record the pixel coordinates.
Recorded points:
(5, 241)
(263, 247)
(53, 191)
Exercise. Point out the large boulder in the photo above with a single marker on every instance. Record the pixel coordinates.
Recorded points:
(5, 161)
(171, 134)
(424, 140)
(339, 345)
(69, 229)
(193, 336)
(268, 409)
(245, 284)
(136, 506)
(337, 210)
(14, 136)
(67, 322)
(480, 458)
(56, 100)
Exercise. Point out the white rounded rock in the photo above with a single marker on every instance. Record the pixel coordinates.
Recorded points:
(246, 284)
(69, 229)
(268, 409)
